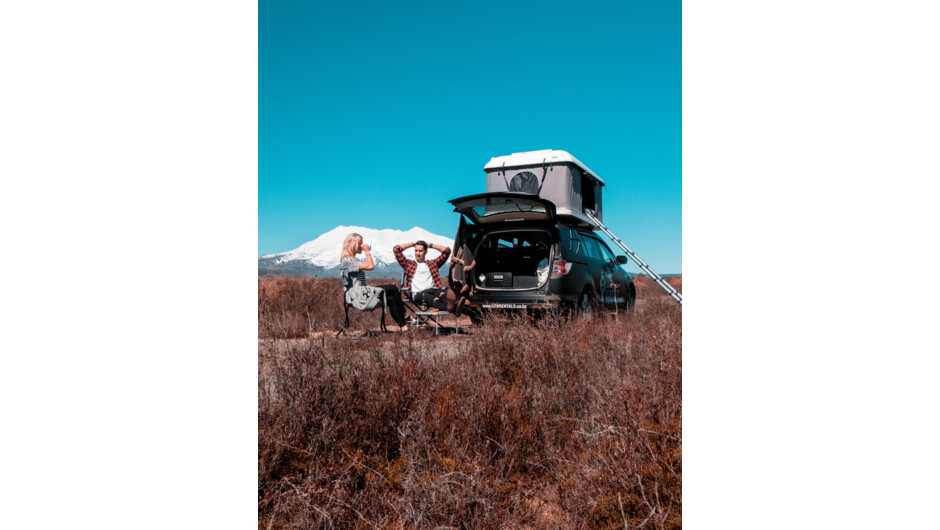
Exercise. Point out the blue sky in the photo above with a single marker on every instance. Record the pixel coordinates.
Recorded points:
(377, 113)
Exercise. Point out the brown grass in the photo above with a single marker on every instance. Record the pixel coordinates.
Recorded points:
(295, 306)
(520, 424)
(647, 287)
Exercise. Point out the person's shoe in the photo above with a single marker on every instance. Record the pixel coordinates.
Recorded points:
(458, 308)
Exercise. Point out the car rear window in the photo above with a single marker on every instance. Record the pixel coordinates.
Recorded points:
(484, 211)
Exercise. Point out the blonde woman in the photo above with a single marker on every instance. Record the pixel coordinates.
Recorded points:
(353, 273)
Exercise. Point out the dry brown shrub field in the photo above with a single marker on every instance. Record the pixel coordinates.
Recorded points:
(294, 307)
(519, 423)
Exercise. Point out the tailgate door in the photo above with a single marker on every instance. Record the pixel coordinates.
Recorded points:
(505, 207)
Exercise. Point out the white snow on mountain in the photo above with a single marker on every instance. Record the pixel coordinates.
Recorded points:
(324, 251)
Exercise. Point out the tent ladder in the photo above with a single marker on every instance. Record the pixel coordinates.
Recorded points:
(659, 279)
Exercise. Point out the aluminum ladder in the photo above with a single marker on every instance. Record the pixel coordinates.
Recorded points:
(659, 279)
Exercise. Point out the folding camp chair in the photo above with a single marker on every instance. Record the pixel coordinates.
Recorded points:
(409, 303)
(382, 327)
(422, 317)
(346, 323)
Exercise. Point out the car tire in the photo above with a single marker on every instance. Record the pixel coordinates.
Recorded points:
(586, 304)
(631, 297)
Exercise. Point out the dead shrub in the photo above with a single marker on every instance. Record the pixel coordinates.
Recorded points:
(553, 423)
(295, 306)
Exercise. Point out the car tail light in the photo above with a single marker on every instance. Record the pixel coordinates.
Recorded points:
(560, 268)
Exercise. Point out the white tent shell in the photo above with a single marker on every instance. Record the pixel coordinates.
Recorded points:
(554, 175)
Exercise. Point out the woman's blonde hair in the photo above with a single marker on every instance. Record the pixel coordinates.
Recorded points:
(350, 245)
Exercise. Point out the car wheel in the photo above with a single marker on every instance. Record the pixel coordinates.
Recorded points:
(631, 297)
(586, 303)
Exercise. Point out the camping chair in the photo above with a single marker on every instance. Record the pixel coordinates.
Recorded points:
(382, 327)
(346, 307)
(420, 317)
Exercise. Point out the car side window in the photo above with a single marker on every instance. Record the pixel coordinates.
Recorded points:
(589, 245)
(600, 250)
(577, 245)
(608, 255)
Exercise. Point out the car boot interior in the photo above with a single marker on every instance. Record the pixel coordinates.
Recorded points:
(516, 259)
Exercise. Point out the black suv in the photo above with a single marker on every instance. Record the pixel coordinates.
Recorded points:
(528, 259)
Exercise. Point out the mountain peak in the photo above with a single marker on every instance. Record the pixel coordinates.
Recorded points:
(323, 252)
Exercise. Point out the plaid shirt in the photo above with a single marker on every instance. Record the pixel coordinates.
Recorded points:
(410, 266)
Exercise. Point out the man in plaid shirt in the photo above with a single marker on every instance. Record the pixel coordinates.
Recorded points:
(422, 279)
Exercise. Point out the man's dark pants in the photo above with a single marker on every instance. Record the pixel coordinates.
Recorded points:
(428, 297)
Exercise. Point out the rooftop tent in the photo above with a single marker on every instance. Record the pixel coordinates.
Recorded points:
(553, 175)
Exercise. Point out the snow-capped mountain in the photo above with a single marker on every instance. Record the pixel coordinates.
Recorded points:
(320, 257)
